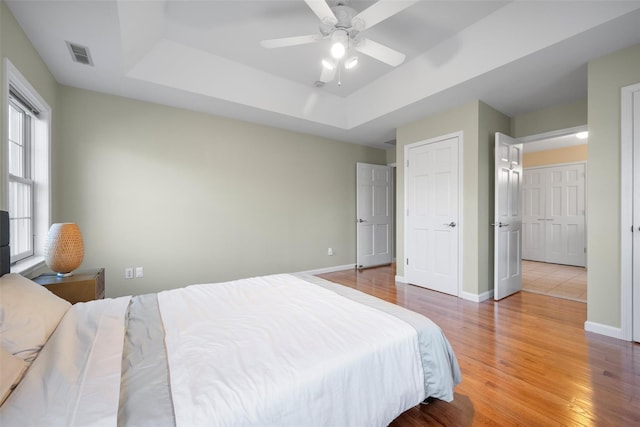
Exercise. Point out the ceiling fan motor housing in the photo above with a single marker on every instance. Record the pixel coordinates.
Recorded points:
(345, 16)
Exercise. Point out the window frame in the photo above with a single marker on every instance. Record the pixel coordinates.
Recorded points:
(39, 163)
(27, 167)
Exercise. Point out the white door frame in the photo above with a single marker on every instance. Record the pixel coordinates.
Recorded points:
(626, 212)
(460, 224)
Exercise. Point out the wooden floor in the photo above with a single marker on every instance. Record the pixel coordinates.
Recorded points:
(525, 360)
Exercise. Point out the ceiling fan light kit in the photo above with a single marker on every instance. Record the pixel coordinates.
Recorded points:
(326, 63)
(344, 26)
(339, 39)
(351, 62)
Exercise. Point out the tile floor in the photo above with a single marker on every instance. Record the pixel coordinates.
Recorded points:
(562, 281)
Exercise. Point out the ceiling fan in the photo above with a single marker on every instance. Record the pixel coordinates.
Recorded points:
(344, 26)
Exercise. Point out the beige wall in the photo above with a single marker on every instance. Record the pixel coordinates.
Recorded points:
(478, 122)
(391, 155)
(607, 75)
(197, 198)
(576, 153)
(15, 46)
(558, 117)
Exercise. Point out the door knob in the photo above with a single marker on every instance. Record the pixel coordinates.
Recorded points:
(500, 224)
(362, 220)
(451, 224)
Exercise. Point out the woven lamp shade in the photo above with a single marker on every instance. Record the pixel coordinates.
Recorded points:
(64, 248)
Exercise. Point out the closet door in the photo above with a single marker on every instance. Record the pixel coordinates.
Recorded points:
(565, 215)
(554, 215)
(533, 219)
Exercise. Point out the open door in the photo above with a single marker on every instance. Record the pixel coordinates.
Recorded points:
(374, 215)
(507, 272)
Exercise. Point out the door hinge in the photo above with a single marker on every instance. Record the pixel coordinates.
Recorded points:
(407, 261)
(407, 212)
(407, 163)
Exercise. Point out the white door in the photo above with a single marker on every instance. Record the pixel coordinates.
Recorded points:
(565, 209)
(554, 214)
(432, 216)
(533, 215)
(508, 217)
(374, 215)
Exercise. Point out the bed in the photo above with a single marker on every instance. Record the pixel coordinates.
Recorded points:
(279, 350)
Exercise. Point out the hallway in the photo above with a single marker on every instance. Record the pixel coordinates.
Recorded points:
(561, 281)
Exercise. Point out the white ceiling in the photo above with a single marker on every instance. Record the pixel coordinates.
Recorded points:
(205, 55)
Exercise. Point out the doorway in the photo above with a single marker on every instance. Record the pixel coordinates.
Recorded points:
(554, 222)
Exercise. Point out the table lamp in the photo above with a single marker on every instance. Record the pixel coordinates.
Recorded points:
(64, 248)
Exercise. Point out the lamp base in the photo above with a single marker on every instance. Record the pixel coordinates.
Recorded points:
(65, 274)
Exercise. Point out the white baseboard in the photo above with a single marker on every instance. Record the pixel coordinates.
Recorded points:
(401, 279)
(477, 297)
(465, 295)
(330, 269)
(601, 329)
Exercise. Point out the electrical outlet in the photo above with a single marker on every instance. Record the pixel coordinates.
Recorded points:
(330, 251)
(139, 272)
(128, 273)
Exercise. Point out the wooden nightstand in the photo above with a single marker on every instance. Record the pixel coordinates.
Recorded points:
(84, 285)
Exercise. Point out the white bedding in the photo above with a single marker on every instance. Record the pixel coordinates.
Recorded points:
(75, 380)
(274, 350)
(279, 351)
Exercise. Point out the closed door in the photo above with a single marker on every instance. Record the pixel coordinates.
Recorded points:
(507, 272)
(554, 214)
(374, 215)
(431, 174)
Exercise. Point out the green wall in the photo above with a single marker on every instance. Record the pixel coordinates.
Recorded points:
(558, 117)
(607, 75)
(196, 198)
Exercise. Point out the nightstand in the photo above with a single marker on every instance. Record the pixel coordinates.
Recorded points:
(84, 285)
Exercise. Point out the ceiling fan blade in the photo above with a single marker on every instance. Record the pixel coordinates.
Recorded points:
(380, 52)
(382, 10)
(328, 74)
(322, 11)
(290, 41)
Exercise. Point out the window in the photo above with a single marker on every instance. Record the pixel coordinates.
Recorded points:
(26, 169)
(21, 184)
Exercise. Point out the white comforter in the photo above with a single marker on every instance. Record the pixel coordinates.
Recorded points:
(266, 351)
(279, 351)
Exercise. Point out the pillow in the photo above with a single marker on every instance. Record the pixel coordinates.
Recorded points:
(28, 315)
(11, 371)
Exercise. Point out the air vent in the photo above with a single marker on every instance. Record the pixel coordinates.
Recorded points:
(80, 53)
